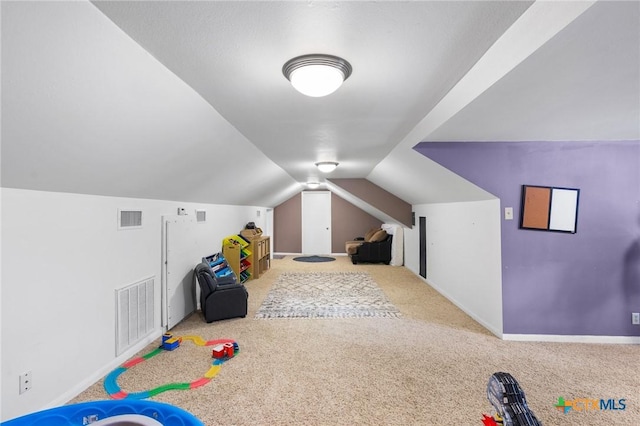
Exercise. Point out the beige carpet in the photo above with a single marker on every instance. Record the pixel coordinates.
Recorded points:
(428, 367)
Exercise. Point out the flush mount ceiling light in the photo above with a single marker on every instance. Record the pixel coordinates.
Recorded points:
(313, 185)
(316, 75)
(326, 166)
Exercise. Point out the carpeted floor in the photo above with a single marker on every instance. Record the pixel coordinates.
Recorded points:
(428, 367)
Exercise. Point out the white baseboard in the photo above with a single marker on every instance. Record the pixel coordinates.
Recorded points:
(481, 321)
(626, 340)
(621, 340)
(85, 384)
(490, 327)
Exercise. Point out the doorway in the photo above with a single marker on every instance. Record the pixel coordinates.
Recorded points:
(316, 222)
(423, 246)
(180, 255)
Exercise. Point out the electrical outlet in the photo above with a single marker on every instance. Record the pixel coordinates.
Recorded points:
(508, 213)
(25, 382)
(635, 318)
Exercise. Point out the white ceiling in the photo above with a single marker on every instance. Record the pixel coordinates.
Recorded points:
(584, 84)
(208, 82)
(405, 55)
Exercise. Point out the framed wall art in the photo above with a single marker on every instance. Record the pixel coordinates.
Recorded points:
(548, 208)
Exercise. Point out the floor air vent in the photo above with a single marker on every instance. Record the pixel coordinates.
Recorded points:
(134, 314)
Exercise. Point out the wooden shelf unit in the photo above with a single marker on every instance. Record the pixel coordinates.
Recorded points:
(261, 255)
(248, 260)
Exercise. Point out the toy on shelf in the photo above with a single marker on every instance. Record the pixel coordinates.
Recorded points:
(218, 264)
(236, 240)
(223, 272)
(215, 259)
(170, 343)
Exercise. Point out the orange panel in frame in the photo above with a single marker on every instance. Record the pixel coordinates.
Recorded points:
(536, 202)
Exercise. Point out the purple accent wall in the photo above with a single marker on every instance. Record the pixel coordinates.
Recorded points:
(586, 283)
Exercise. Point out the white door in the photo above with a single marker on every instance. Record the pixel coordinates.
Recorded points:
(316, 222)
(180, 258)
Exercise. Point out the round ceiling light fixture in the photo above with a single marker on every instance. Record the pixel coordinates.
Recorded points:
(316, 75)
(326, 166)
(313, 185)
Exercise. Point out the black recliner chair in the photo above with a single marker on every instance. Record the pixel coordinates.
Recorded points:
(220, 298)
(373, 252)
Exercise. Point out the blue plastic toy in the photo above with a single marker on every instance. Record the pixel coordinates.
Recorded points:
(86, 413)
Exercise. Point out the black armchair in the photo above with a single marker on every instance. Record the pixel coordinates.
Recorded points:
(371, 252)
(220, 298)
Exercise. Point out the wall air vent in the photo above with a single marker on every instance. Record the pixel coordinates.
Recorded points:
(134, 314)
(201, 215)
(129, 219)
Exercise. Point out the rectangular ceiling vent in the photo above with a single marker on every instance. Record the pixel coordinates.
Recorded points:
(129, 219)
(201, 215)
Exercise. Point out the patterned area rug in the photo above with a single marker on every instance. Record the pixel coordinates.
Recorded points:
(326, 295)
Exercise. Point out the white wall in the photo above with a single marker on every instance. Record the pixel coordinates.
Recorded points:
(1, 308)
(62, 259)
(463, 256)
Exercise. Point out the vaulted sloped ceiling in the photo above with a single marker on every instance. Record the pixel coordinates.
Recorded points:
(186, 100)
(563, 71)
(87, 110)
(553, 95)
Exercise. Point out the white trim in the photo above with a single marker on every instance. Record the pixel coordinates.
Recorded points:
(626, 340)
(479, 320)
(115, 363)
(483, 323)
